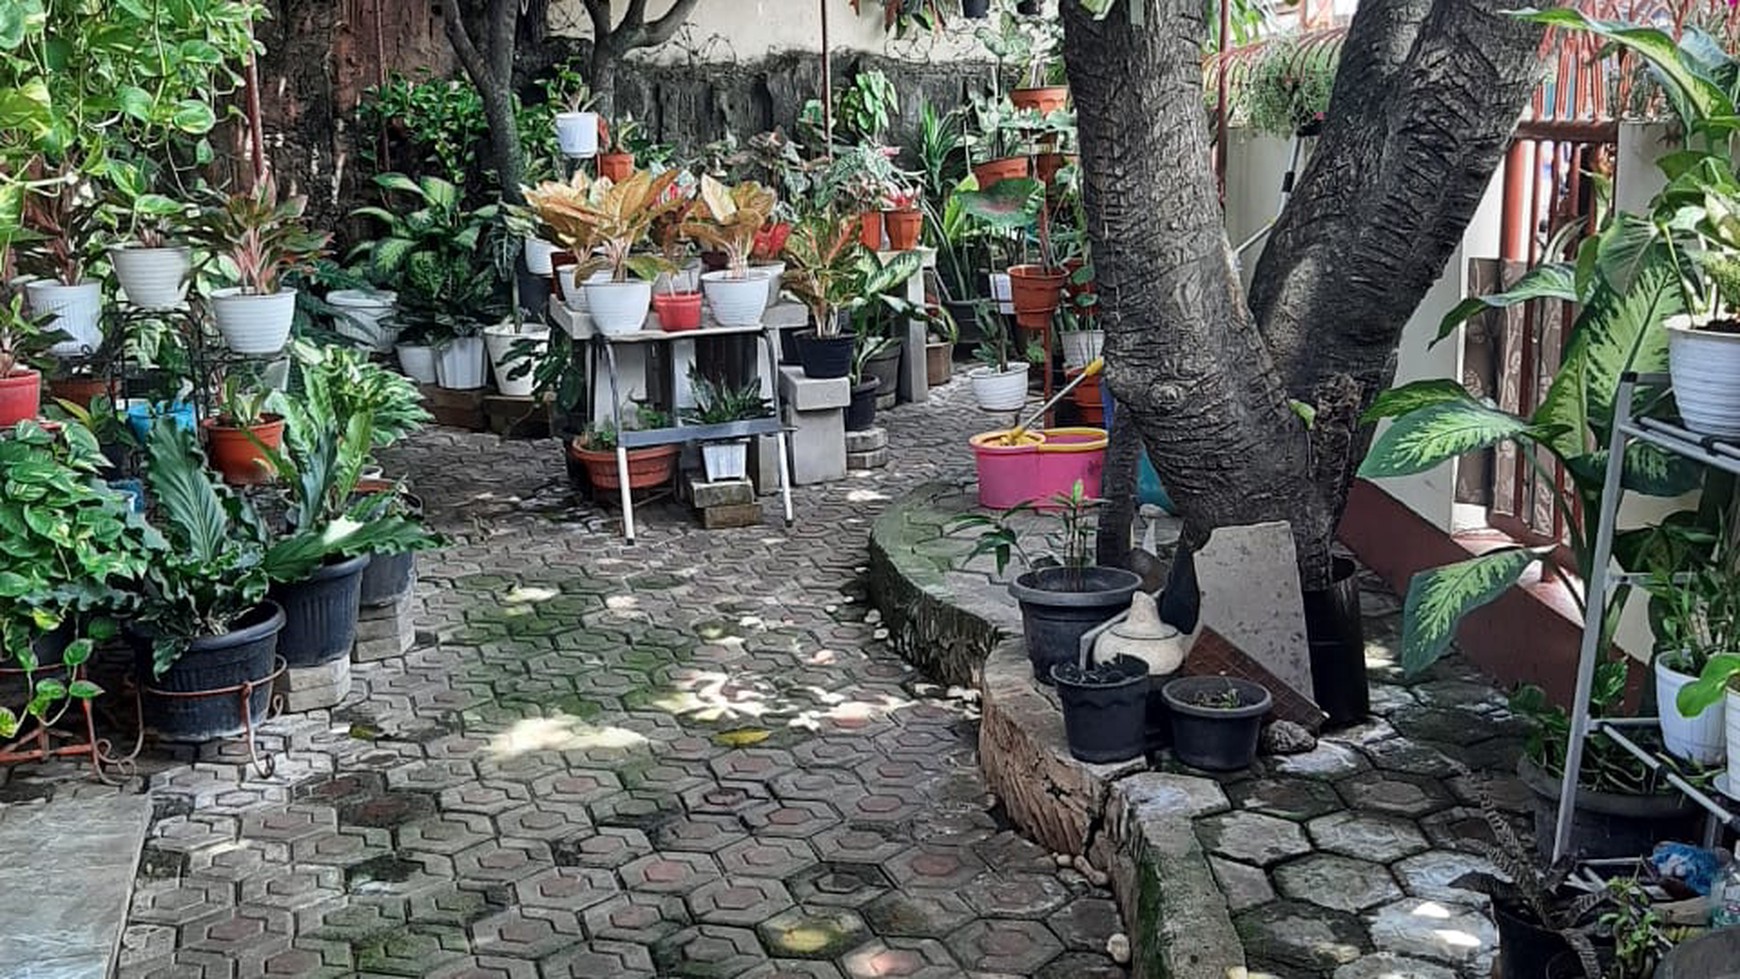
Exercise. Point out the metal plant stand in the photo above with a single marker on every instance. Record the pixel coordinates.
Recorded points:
(71, 735)
(264, 764)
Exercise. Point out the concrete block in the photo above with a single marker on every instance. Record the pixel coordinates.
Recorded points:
(314, 687)
(818, 445)
(874, 459)
(786, 315)
(384, 632)
(800, 392)
(1251, 596)
(517, 417)
(731, 515)
(70, 866)
(723, 493)
(459, 409)
(869, 440)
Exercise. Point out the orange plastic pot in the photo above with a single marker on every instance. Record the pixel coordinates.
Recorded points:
(904, 228)
(20, 393)
(996, 171)
(1050, 98)
(80, 391)
(1086, 396)
(1035, 291)
(1046, 165)
(678, 311)
(617, 166)
(870, 230)
(235, 456)
(646, 467)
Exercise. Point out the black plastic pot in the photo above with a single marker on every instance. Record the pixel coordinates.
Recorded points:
(1105, 711)
(1527, 950)
(975, 9)
(1336, 633)
(211, 664)
(1216, 739)
(788, 347)
(825, 357)
(1060, 605)
(885, 369)
(320, 613)
(1610, 824)
(861, 412)
(387, 579)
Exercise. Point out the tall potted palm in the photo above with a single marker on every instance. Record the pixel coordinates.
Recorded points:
(603, 222)
(263, 238)
(729, 219)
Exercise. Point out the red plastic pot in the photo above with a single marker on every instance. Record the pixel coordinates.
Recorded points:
(870, 230)
(235, 456)
(646, 467)
(20, 393)
(678, 311)
(1086, 396)
(1046, 165)
(1047, 99)
(996, 171)
(904, 228)
(80, 391)
(617, 166)
(1035, 291)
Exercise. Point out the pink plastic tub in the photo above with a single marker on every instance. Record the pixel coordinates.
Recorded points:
(1044, 465)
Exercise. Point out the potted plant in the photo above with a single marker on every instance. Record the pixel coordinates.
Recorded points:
(1018, 207)
(618, 162)
(1078, 327)
(939, 348)
(25, 339)
(1105, 709)
(764, 255)
(1216, 720)
(262, 239)
(861, 178)
(998, 151)
(1704, 355)
(728, 219)
(866, 386)
(903, 219)
(1027, 46)
(835, 277)
(1000, 381)
(577, 125)
(60, 215)
(720, 403)
(239, 437)
(1064, 596)
(604, 221)
(152, 270)
(678, 305)
(1698, 632)
(595, 449)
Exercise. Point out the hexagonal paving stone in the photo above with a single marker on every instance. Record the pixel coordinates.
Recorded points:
(1451, 933)
(831, 753)
(886, 806)
(568, 888)
(238, 861)
(796, 818)
(485, 798)
(1387, 965)
(386, 810)
(850, 844)
(637, 917)
(1370, 836)
(1297, 799)
(1410, 757)
(1010, 853)
(725, 799)
(353, 921)
(1327, 760)
(1394, 793)
(702, 834)
(934, 867)
(247, 934)
(1303, 935)
(502, 861)
(1081, 965)
(310, 959)
(449, 905)
(745, 901)
(432, 775)
(609, 848)
(1086, 923)
(295, 889)
(669, 872)
(288, 824)
(775, 857)
(446, 833)
(526, 933)
(1016, 896)
(1252, 838)
(752, 765)
(545, 821)
(583, 786)
(817, 784)
(1245, 886)
(794, 969)
(709, 952)
(1430, 875)
(812, 933)
(179, 902)
(343, 848)
(1336, 882)
(905, 958)
(918, 913)
(486, 967)
(595, 959)
(1016, 947)
(845, 885)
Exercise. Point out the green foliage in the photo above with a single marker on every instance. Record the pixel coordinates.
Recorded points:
(25, 338)
(718, 402)
(441, 257)
(441, 120)
(1289, 86)
(260, 237)
(350, 384)
(1071, 545)
(830, 272)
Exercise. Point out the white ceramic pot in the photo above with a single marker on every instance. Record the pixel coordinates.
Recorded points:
(725, 460)
(1005, 391)
(617, 308)
(152, 278)
(538, 254)
(78, 312)
(1081, 346)
(1706, 367)
(504, 360)
(577, 134)
(1731, 724)
(1003, 292)
(253, 324)
(366, 316)
(775, 272)
(735, 302)
(1697, 739)
(459, 364)
(417, 360)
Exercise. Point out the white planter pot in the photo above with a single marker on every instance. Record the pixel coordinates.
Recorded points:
(365, 316)
(152, 278)
(1081, 346)
(504, 360)
(1731, 722)
(1003, 292)
(617, 308)
(254, 324)
(78, 312)
(1006, 391)
(459, 364)
(735, 302)
(577, 134)
(1705, 368)
(1697, 739)
(775, 272)
(725, 460)
(417, 360)
(538, 254)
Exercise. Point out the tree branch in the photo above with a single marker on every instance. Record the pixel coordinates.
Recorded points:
(469, 57)
(666, 27)
(599, 11)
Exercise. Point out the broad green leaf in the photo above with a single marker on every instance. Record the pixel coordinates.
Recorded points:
(1011, 204)
(1437, 433)
(78, 652)
(1553, 281)
(1412, 397)
(8, 723)
(84, 690)
(1697, 93)
(1709, 688)
(1439, 599)
(194, 117)
(1625, 249)
(398, 182)
(183, 491)
(135, 102)
(1615, 334)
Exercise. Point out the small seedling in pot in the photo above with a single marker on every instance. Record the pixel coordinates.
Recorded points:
(1227, 699)
(998, 536)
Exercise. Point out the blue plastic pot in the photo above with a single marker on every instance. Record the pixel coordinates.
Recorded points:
(139, 417)
(1148, 488)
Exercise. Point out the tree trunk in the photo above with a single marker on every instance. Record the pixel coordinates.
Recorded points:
(1117, 516)
(604, 61)
(504, 141)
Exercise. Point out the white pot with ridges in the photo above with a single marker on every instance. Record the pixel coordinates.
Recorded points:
(996, 390)
(507, 355)
(152, 278)
(1081, 346)
(577, 134)
(459, 364)
(618, 308)
(417, 360)
(725, 460)
(1697, 739)
(252, 323)
(1705, 364)
(365, 315)
(78, 312)
(538, 253)
(736, 300)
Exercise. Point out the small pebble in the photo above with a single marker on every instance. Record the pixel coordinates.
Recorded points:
(1065, 860)
(1118, 947)
(1098, 878)
(872, 617)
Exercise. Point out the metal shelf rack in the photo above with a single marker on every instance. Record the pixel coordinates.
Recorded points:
(1628, 427)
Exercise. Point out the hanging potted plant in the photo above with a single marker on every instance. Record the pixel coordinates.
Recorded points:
(1065, 597)
(595, 449)
(719, 403)
(263, 239)
(834, 276)
(604, 221)
(617, 163)
(1000, 381)
(60, 219)
(1216, 720)
(728, 219)
(239, 437)
(1105, 709)
(577, 126)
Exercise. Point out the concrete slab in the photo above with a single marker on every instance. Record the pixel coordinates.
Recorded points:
(72, 863)
(1250, 595)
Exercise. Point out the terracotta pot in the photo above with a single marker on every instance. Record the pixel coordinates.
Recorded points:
(20, 393)
(646, 467)
(678, 311)
(1036, 293)
(904, 228)
(1047, 99)
(235, 456)
(1046, 165)
(995, 172)
(78, 390)
(870, 230)
(1087, 399)
(939, 363)
(616, 166)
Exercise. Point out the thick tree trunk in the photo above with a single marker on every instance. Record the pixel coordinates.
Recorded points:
(1117, 515)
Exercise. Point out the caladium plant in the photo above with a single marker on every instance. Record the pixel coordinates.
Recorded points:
(729, 218)
(262, 237)
(603, 221)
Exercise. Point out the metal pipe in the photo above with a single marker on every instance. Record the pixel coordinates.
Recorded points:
(827, 83)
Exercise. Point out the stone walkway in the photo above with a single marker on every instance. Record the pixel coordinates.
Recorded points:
(693, 757)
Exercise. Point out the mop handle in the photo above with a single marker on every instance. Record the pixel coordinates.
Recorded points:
(1094, 367)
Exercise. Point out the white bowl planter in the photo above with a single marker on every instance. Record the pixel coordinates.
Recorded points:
(152, 278)
(617, 308)
(1000, 391)
(504, 360)
(1731, 722)
(1696, 739)
(735, 302)
(254, 324)
(577, 133)
(1705, 365)
(78, 312)
(725, 460)
(538, 253)
(459, 364)
(365, 316)
(1003, 292)
(417, 360)
(1081, 346)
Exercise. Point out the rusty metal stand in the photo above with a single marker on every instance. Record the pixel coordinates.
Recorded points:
(44, 740)
(265, 764)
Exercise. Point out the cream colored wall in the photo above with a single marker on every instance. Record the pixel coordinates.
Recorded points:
(748, 30)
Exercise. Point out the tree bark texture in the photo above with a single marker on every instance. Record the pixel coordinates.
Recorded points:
(1426, 99)
(488, 59)
(1117, 515)
(611, 41)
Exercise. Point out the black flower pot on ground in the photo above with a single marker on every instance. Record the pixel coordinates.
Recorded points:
(320, 613)
(1336, 632)
(975, 9)
(1526, 948)
(884, 368)
(200, 697)
(387, 578)
(1105, 709)
(825, 357)
(1060, 605)
(1216, 720)
(1609, 824)
(861, 413)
